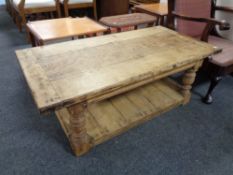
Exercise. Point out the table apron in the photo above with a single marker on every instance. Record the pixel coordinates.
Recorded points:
(126, 88)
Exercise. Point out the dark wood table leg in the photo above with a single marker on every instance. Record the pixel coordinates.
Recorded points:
(32, 39)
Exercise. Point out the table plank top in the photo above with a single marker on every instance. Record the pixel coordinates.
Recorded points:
(64, 27)
(155, 8)
(76, 71)
(127, 20)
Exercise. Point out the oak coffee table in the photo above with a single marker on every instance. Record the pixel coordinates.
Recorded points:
(103, 86)
(53, 29)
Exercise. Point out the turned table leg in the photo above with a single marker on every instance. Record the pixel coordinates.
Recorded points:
(187, 81)
(79, 139)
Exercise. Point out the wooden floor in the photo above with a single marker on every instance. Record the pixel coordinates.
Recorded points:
(114, 116)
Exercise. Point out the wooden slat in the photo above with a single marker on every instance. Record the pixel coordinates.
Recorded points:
(140, 102)
(94, 129)
(156, 97)
(106, 116)
(126, 108)
(112, 117)
(167, 90)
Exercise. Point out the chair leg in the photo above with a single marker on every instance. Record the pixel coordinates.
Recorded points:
(58, 10)
(24, 24)
(208, 99)
(66, 10)
(23, 21)
(18, 22)
(95, 11)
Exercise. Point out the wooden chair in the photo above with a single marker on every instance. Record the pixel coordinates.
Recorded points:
(138, 2)
(112, 7)
(193, 18)
(79, 4)
(22, 8)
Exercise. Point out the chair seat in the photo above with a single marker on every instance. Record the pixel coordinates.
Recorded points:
(36, 3)
(78, 1)
(225, 58)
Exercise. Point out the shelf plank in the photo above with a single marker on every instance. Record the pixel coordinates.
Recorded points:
(113, 116)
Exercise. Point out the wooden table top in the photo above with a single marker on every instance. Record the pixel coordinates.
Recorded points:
(155, 8)
(64, 27)
(76, 71)
(128, 20)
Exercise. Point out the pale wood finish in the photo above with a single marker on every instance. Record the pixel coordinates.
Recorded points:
(79, 138)
(188, 80)
(47, 30)
(68, 6)
(81, 70)
(113, 116)
(157, 9)
(72, 77)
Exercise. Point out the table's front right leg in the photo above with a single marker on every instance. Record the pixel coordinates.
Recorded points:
(188, 80)
(78, 138)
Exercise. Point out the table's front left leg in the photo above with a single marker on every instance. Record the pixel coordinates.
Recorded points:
(79, 139)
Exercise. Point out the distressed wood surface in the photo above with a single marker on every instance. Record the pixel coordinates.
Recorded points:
(113, 116)
(74, 72)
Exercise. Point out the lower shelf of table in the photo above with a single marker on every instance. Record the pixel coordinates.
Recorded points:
(114, 116)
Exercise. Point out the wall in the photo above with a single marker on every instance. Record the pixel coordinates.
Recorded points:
(2, 2)
(226, 16)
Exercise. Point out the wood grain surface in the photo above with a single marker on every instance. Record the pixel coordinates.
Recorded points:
(46, 30)
(73, 72)
(114, 116)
